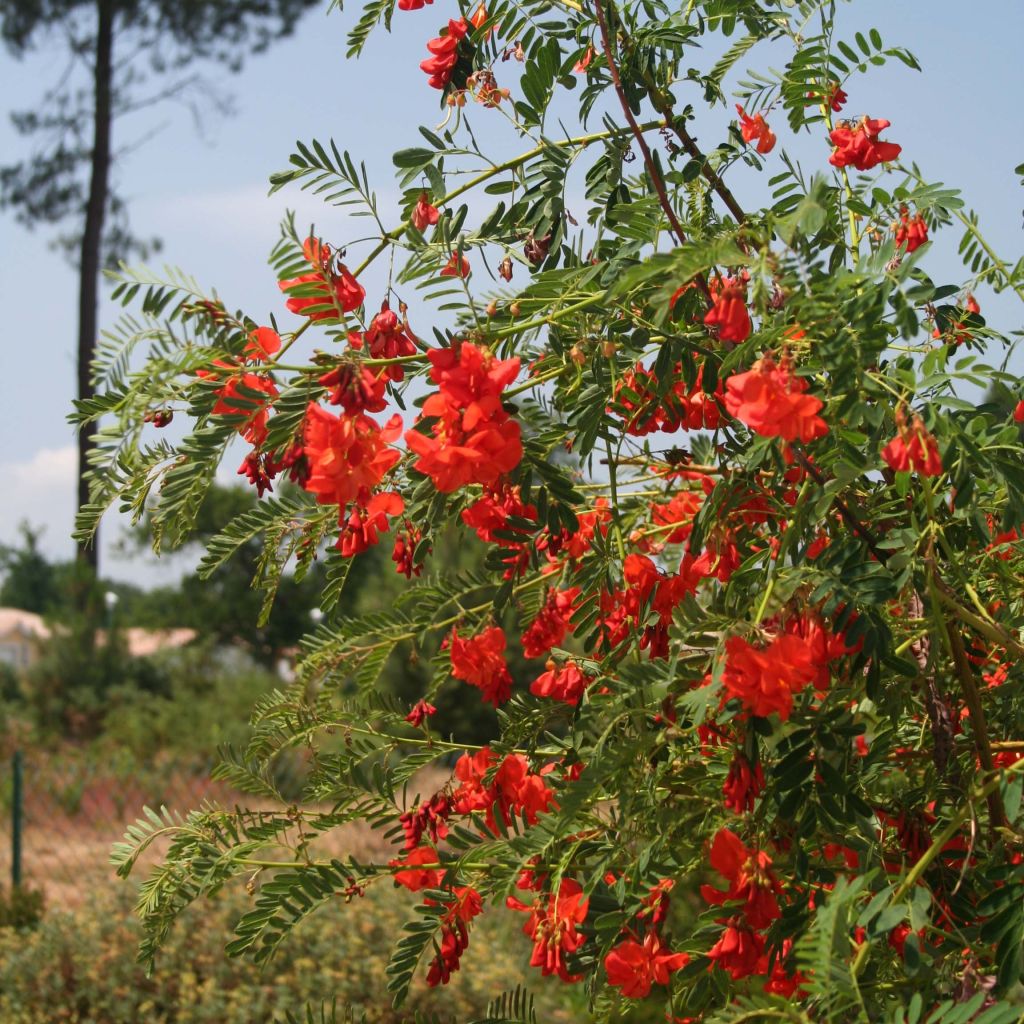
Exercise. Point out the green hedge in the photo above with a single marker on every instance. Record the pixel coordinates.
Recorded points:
(79, 968)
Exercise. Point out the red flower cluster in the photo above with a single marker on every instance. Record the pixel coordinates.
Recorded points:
(741, 948)
(421, 710)
(729, 313)
(913, 448)
(574, 545)
(326, 292)
(514, 789)
(263, 343)
(678, 512)
(464, 906)
(858, 145)
(772, 402)
(765, 678)
(412, 5)
(404, 552)
(647, 589)
(553, 927)
(365, 522)
(249, 395)
(356, 389)
(548, 629)
(347, 455)
(444, 50)
(387, 337)
(756, 128)
(679, 408)
(750, 878)
(491, 513)
(480, 661)
(743, 784)
(473, 439)
(910, 231)
(430, 817)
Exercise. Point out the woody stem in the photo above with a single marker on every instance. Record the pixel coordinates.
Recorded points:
(652, 169)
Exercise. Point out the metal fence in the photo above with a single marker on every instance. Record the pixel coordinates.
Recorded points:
(62, 811)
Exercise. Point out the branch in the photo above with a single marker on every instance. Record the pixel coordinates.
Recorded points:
(652, 170)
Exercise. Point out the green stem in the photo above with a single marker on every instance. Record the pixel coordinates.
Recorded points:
(581, 140)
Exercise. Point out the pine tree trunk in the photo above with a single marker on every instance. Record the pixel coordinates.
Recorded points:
(92, 242)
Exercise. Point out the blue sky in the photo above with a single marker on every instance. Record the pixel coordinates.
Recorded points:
(205, 196)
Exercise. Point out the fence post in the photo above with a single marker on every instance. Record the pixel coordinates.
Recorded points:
(17, 814)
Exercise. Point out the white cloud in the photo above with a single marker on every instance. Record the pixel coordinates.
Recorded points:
(41, 491)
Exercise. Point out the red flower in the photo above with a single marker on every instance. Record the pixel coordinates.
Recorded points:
(566, 684)
(473, 439)
(347, 455)
(262, 344)
(456, 267)
(520, 790)
(913, 232)
(634, 967)
(480, 661)
(363, 525)
(914, 447)
(859, 145)
(552, 926)
(729, 314)
(424, 214)
(765, 679)
(755, 127)
(584, 62)
(327, 292)
(413, 876)
(420, 711)
(771, 401)
(834, 97)
(1018, 412)
(780, 982)
(479, 16)
(445, 54)
(412, 5)
(740, 951)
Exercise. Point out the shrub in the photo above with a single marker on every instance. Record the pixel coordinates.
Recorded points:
(80, 968)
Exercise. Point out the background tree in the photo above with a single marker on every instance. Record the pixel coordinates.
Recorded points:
(134, 54)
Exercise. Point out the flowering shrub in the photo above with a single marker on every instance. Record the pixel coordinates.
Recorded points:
(762, 553)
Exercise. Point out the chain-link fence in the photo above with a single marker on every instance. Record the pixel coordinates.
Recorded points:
(60, 813)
